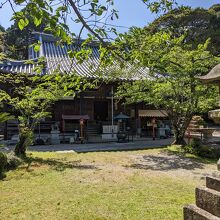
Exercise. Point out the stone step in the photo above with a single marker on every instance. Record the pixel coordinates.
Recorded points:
(92, 131)
(209, 200)
(192, 212)
(213, 183)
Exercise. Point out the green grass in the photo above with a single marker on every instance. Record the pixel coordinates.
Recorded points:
(94, 186)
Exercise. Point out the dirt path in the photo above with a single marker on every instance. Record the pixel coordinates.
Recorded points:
(174, 165)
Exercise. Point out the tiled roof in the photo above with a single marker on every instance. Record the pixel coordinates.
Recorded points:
(17, 66)
(213, 76)
(57, 58)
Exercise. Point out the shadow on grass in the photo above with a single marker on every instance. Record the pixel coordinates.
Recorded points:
(180, 151)
(58, 165)
(166, 162)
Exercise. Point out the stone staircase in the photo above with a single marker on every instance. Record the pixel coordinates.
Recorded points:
(93, 130)
(207, 201)
(93, 133)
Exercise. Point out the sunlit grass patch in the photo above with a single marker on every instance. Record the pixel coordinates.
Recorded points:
(100, 185)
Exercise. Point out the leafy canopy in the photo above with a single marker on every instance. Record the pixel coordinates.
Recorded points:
(197, 24)
(173, 69)
(93, 16)
(31, 96)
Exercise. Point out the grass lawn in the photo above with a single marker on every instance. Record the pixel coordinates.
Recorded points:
(148, 184)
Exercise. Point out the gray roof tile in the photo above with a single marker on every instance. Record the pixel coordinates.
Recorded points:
(57, 58)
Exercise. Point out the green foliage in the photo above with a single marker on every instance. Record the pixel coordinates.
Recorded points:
(207, 152)
(13, 161)
(31, 97)
(2, 29)
(4, 116)
(172, 84)
(160, 5)
(197, 24)
(2, 44)
(197, 148)
(195, 145)
(25, 136)
(93, 15)
(22, 23)
(17, 37)
(3, 162)
(198, 121)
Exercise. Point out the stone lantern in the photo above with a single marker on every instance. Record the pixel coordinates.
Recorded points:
(207, 205)
(213, 77)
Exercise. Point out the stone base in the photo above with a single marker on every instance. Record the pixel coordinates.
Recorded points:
(208, 200)
(192, 212)
(109, 137)
(213, 183)
(55, 137)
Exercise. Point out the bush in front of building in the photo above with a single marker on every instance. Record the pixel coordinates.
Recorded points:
(12, 161)
(3, 162)
(197, 148)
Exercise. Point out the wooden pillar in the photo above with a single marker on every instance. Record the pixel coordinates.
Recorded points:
(153, 127)
(63, 125)
(5, 130)
(5, 123)
(81, 104)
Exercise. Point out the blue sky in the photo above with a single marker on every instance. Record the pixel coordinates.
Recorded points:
(134, 13)
(131, 12)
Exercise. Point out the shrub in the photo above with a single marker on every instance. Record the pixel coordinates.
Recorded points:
(207, 152)
(217, 151)
(196, 145)
(13, 161)
(3, 162)
(198, 149)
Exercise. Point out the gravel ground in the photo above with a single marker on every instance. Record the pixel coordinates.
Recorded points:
(113, 146)
(174, 164)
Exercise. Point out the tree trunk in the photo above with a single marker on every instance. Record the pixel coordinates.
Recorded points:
(20, 148)
(179, 140)
(179, 127)
(25, 139)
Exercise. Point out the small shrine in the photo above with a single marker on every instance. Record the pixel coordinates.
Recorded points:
(213, 77)
(197, 128)
(207, 205)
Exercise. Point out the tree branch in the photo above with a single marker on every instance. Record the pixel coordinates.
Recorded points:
(84, 22)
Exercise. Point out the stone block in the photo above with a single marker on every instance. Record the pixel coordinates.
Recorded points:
(213, 183)
(192, 212)
(109, 137)
(209, 200)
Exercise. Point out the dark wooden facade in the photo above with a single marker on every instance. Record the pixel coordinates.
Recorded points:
(97, 105)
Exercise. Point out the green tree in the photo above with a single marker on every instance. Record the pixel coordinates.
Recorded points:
(172, 84)
(30, 98)
(94, 16)
(18, 41)
(197, 24)
(2, 43)
(2, 29)
(4, 116)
